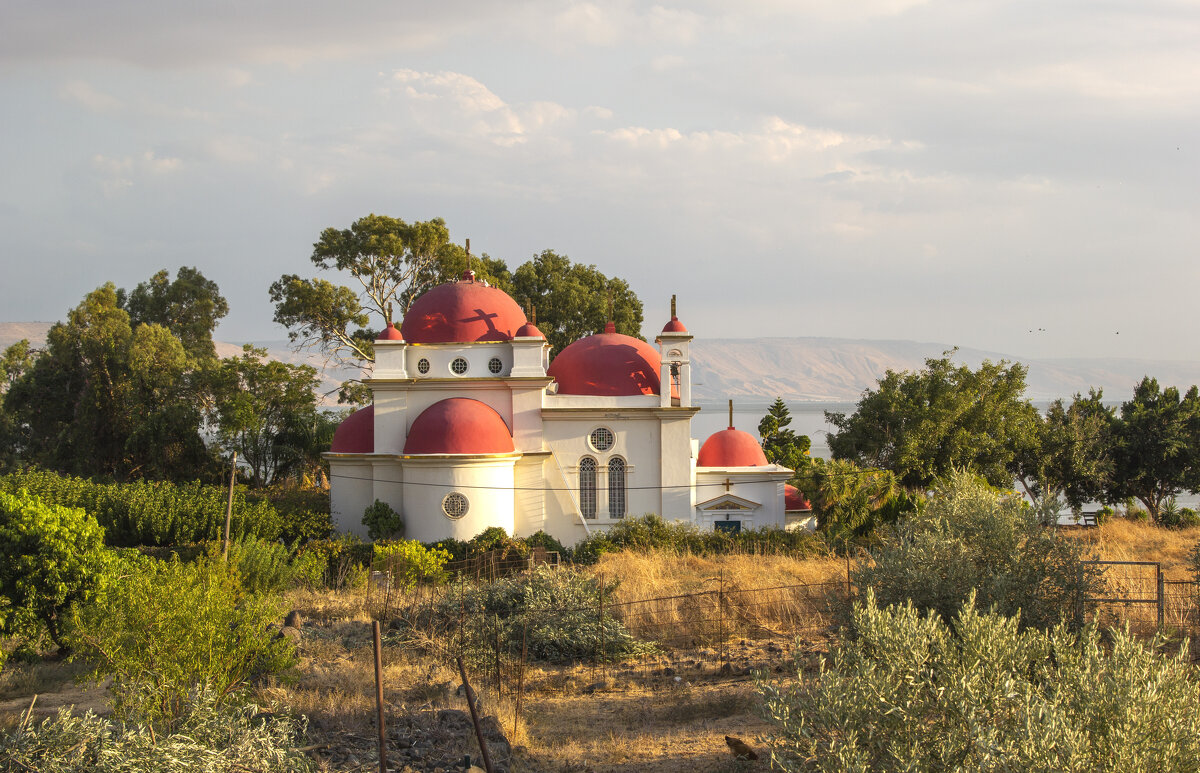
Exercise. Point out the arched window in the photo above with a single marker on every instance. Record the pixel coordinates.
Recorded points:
(587, 486)
(616, 487)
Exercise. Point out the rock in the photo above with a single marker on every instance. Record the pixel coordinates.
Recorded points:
(739, 748)
(293, 619)
(291, 634)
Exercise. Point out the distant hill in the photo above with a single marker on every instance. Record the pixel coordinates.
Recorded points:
(806, 369)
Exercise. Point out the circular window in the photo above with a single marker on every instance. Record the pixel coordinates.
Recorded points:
(459, 366)
(601, 438)
(494, 365)
(423, 366)
(455, 505)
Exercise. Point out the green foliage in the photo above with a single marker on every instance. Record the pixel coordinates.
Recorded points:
(922, 425)
(555, 610)
(1070, 452)
(190, 307)
(850, 501)
(382, 521)
(210, 738)
(337, 564)
(970, 538)
(1173, 516)
(162, 629)
(495, 538)
(111, 397)
(781, 444)
(1157, 445)
(143, 513)
(257, 402)
(651, 532)
(573, 300)
(303, 512)
(262, 567)
(410, 562)
(916, 693)
(52, 558)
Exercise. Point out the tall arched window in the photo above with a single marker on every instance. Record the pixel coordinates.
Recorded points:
(587, 486)
(616, 487)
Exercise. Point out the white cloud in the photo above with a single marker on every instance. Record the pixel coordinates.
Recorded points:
(83, 93)
(118, 174)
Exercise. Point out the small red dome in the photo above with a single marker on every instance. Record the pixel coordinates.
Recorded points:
(731, 448)
(674, 326)
(607, 364)
(794, 501)
(390, 333)
(462, 312)
(459, 425)
(355, 435)
(529, 330)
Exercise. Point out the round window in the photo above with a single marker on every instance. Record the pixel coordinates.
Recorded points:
(601, 438)
(422, 365)
(495, 366)
(455, 505)
(459, 366)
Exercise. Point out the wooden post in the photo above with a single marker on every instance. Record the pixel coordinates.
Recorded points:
(603, 660)
(721, 614)
(483, 749)
(229, 506)
(383, 768)
(1161, 601)
(520, 682)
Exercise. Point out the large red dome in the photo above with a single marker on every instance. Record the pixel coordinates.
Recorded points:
(356, 434)
(731, 448)
(462, 312)
(459, 425)
(607, 364)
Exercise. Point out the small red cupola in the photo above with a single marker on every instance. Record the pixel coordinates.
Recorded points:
(674, 325)
(530, 329)
(391, 333)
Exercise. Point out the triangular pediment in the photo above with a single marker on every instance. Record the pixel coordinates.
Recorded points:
(728, 502)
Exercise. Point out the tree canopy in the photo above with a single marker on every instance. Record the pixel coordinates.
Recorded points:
(780, 443)
(190, 307)
(922, 425)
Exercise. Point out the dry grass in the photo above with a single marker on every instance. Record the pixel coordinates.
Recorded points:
(1121, 539)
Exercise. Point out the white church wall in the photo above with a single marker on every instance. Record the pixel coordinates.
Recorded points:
(487, 483)
(762, 486)
(676, 465)
(439, 359)
(350, 492)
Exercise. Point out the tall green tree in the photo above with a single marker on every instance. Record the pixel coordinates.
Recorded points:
(1070, 454)
(780, 443)
(190, 307)
(16, 360)
(258, 402)
(574, 300)
(848, 500)
(104, 399)
(922, 425)
(1156, 445)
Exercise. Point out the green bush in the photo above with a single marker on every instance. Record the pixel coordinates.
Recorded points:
(555, 611)
(52, 558)
(1173, 516)
(163, 629)
(382, 521)
(152, 513)
(971, 538)
(262, 567)
(651, 532)
(410, 562)
(303, 512)
(914, 693)
(210, 738)
(337, 564)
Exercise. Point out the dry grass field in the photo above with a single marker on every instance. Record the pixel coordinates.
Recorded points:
(668, 711)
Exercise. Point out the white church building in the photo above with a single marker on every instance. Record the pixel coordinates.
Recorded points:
(473, 426)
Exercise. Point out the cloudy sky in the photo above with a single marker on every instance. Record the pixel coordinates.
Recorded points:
(960, 171)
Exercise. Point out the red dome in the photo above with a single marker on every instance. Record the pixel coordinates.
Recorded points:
(731, 448)
(528, 330)
(355, 435)
(459, 425)
(462, 312)
(674, 326)
(390, 333)
(793, 500)
(607, 364)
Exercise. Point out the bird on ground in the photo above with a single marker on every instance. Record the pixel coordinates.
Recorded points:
(739, 748)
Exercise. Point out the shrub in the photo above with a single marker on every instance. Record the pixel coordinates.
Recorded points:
(1173, 516)
(161, 629)
(52, 558)
(556, 611)
(970, 538)
(382, 521)
(152, 513)
(410, 562)
(336, 563)
(303, 512)
(210, 738)
(262, 567)
(909, 692)
(651, 532)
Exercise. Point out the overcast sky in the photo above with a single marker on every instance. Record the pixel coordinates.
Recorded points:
(964, 171)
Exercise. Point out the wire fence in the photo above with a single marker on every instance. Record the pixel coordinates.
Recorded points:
(721, 632)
